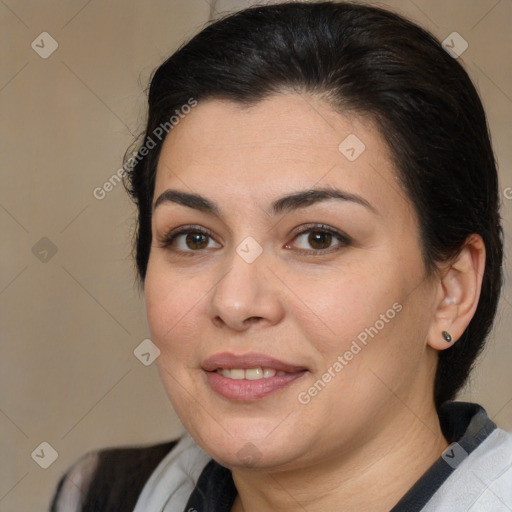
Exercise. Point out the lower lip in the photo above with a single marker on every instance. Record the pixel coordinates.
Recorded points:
(249, 390)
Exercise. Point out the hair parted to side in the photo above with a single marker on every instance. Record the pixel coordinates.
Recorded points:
(368, 61)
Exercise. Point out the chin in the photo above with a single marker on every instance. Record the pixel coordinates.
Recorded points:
(243, 454)
(242, 444)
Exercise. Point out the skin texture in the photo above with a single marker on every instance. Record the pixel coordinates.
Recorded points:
(372, 431)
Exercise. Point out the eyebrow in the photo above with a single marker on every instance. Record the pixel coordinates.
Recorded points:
(288, 203)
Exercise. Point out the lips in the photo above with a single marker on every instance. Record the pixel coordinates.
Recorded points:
(228, 360)
(220, 371)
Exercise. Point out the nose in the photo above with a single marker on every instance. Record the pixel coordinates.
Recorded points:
(246, 294)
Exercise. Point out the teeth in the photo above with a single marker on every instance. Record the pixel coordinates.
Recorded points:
(268, 372)
(249, 373)
(237, 374)
(253, 373)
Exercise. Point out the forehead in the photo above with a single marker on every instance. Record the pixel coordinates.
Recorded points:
(281, 143)
(303, 124)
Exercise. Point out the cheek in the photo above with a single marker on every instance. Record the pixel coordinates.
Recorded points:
(172, 304)
(361, 323)
(344, 306)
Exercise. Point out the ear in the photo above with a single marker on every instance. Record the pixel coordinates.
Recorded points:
(458, 294)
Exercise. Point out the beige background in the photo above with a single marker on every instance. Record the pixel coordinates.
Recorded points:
(70, 324)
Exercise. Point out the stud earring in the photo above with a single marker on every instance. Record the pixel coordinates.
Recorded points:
(447, 337)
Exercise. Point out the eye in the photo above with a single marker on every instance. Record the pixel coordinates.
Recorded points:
(187, 239)
(193, 239)
(320, 238)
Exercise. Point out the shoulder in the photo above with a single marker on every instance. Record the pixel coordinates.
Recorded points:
(481, 481)
(74, 483)
(108, 479)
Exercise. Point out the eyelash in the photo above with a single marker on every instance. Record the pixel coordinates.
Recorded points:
(167, 241)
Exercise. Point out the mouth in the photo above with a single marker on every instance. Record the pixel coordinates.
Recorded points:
(249, 377)
(249, 373)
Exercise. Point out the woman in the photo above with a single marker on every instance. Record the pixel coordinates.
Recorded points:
(320, 248)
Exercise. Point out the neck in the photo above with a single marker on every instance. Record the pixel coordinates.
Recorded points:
(367, 478)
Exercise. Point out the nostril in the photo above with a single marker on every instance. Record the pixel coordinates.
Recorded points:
(253, 319)
(217, 321)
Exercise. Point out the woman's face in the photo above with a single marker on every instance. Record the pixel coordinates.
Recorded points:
(330, 291)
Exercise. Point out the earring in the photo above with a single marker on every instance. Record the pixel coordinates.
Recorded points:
(447, 337)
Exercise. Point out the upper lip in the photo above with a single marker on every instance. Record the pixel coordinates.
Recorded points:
(245, 361)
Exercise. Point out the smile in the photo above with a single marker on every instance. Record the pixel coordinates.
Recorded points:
(249, 373)
(249, 377)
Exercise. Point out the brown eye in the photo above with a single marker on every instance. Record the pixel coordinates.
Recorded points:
(319, 240)
(188, 240)
(196, 240)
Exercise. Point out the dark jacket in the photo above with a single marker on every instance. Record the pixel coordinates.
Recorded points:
(118, 476)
